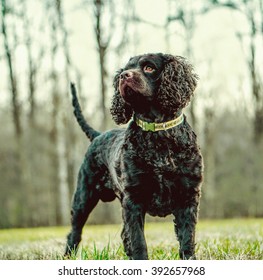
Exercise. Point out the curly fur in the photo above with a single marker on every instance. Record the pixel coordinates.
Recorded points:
(158, 173)
(178, 84)
(121, 112)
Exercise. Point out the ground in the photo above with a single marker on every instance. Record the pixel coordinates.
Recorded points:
(235, 239)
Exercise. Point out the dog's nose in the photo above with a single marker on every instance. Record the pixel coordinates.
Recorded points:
(126, 74)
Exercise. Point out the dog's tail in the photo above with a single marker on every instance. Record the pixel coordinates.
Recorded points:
(89, 131)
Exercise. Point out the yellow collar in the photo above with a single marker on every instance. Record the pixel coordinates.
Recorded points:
(146, 126)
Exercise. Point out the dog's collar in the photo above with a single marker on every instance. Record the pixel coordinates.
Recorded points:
(147, 126)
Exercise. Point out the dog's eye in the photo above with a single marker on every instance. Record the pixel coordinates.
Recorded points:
(148, 69)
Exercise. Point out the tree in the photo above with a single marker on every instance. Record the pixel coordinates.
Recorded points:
(58, 134)
(103, 43)
(12, 75)
(252, 12)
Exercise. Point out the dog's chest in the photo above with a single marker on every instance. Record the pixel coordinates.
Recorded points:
(163, 194)
(163, 186)
(160, 162)
(157, 167)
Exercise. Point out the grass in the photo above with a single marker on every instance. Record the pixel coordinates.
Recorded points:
(238, 239)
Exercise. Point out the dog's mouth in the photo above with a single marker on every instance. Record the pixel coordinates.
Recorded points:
(126, 88)
(127, 91)
(130, 89)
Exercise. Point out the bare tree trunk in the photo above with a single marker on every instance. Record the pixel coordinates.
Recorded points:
(70, 135)
(59, 138)
(102, 49)
(255, 86)
(64, 206)
(59, 162)
(12, 76)
(209, 161)
(33, 193)
(63, 29)
(103, 39)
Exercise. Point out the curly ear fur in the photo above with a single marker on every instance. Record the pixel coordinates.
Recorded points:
(121, 112)
(178, 82)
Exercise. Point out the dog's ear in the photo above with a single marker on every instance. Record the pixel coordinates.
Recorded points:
(178, 82)
(121, 112)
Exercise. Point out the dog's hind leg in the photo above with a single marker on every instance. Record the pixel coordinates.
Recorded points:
(85, 199)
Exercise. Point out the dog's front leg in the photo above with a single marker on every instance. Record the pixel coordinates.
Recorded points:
(185, 223)
(133, 231)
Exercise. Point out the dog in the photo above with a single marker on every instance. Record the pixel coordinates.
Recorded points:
(154, 165)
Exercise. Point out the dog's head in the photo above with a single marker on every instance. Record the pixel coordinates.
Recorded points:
(162, 81)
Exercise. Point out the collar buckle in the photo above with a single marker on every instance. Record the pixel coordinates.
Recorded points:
(148, 126)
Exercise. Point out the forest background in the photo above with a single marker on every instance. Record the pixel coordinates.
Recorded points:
(46, 44)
